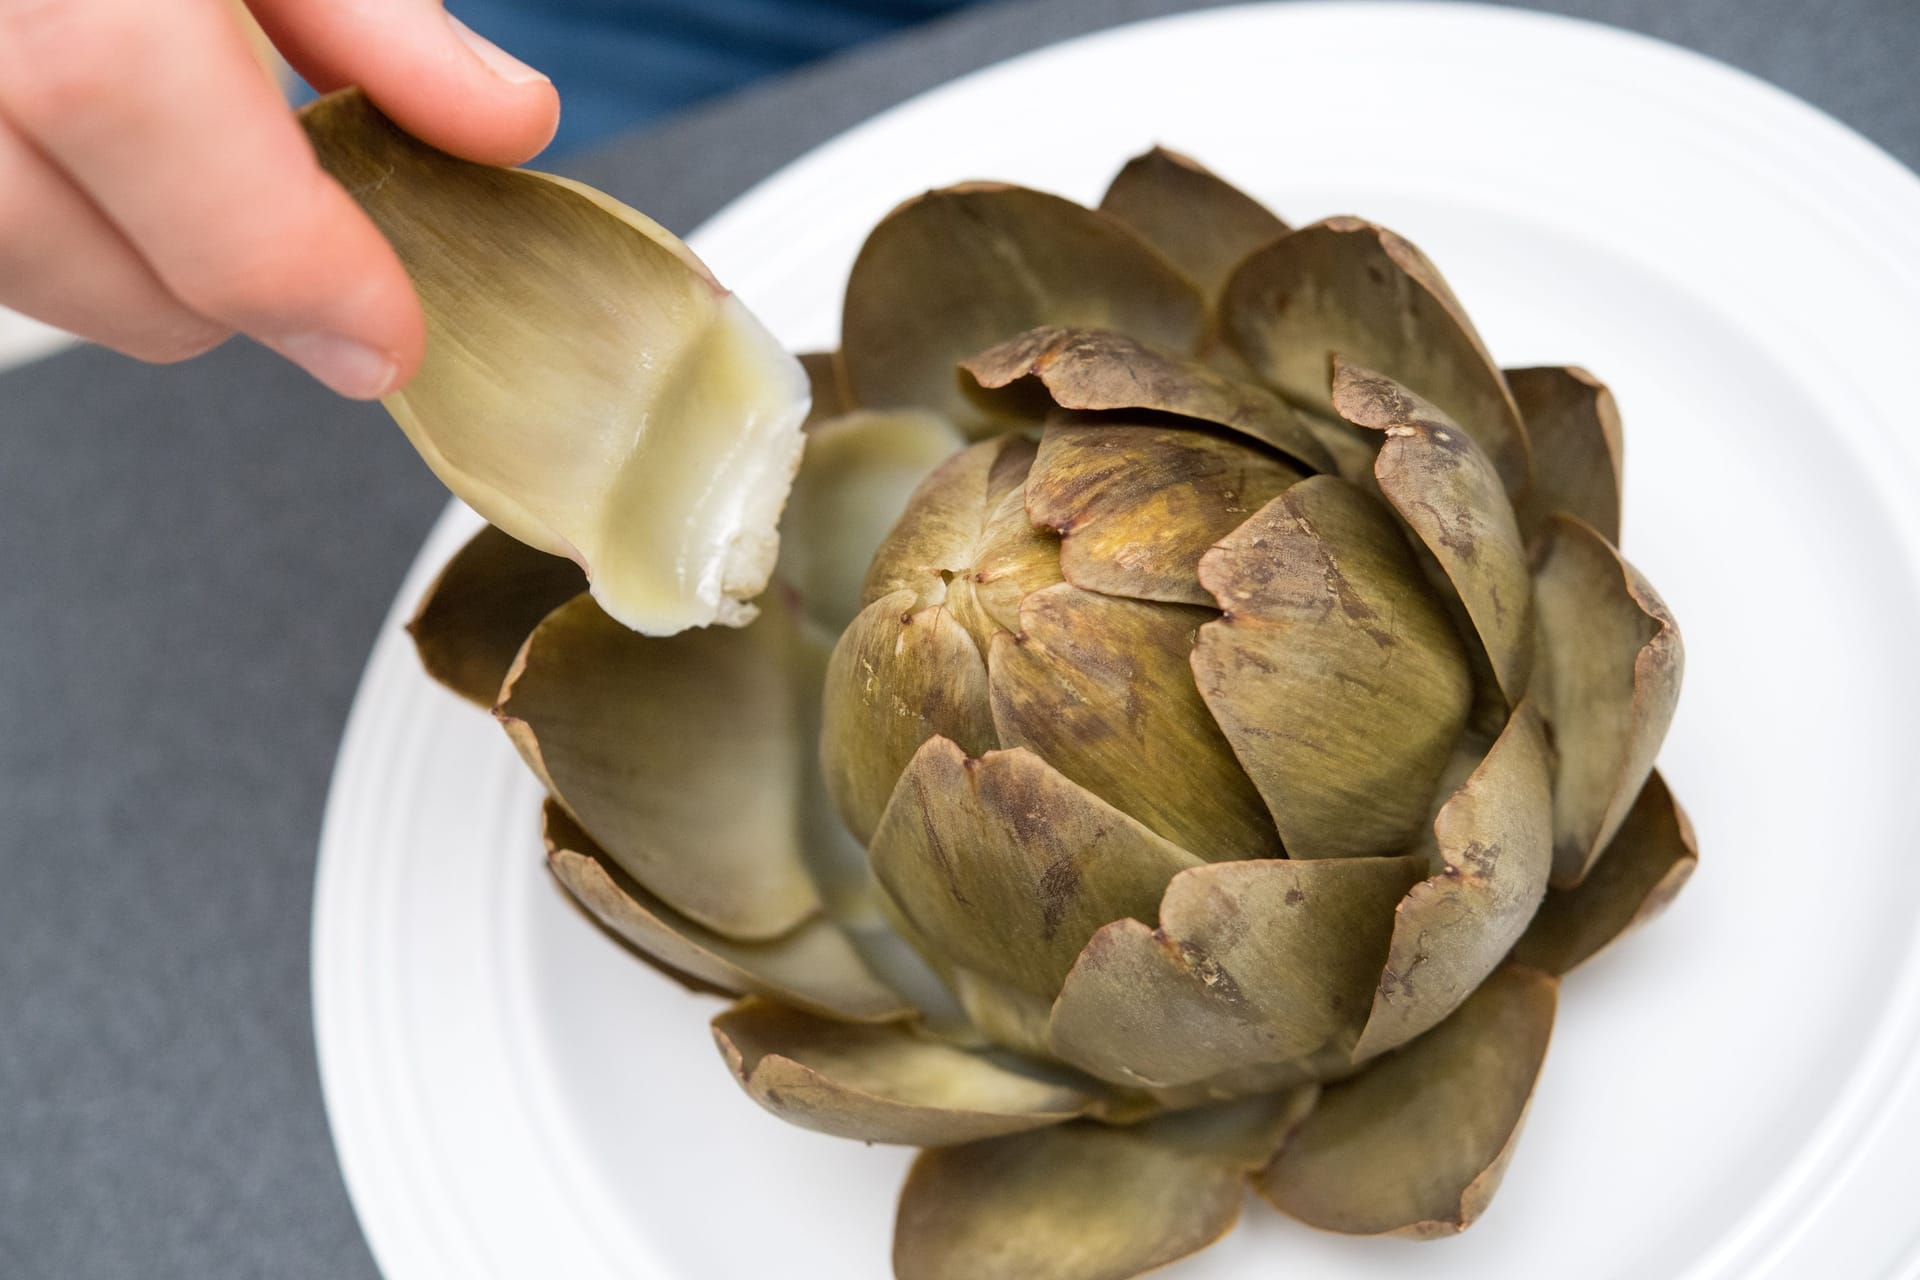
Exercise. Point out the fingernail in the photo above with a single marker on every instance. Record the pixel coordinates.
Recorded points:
(348, 368)
(498, 60)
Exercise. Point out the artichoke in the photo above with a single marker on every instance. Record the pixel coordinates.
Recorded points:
(1199, 713)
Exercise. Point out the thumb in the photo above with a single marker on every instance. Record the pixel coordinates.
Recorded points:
(432, 74)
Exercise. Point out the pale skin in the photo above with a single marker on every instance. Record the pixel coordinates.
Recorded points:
(157, 195)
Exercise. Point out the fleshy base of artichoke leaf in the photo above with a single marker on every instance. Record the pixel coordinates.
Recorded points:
(691, 531)
(684, 533)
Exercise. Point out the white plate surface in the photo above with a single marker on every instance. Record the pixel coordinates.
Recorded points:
(23, 338)
(1732, 1094)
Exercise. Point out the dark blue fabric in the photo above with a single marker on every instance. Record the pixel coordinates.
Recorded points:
(619, 63)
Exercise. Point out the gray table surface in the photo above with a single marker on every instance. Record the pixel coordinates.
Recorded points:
(196, 560)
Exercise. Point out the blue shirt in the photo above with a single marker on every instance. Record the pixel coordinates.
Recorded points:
(620, 63)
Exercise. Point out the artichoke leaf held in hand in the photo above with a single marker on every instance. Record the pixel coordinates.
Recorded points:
(588, 386)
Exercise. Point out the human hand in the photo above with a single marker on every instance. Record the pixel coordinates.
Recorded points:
(156, 194)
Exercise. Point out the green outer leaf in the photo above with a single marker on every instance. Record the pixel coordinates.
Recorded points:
(480, 609)
(552, 816)
(1354, 449)
(952, 272)
(1203, 223)
(681, 756)
(1100, 688)
(1337, 678)
(1495, 841)
(828, 388)
(1004, 866)
(1574, 425)
(1005, 1014)
(1254, 963)
(1418, 1143)
(812, 967)
(881, 1083)
(1096, 369)
(1447, 491)
(1136, 506)
(1349, 287)
(836, 861)
(854, 481)
(1613, 663)
(1086, 1201)
(587, 386)
(896, 679)
(1646, 864)
(1249, 1081)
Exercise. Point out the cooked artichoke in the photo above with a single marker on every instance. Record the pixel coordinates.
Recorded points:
(1200, 713)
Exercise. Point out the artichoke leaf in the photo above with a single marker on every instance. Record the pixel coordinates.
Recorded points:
(1335, 675)
(1006, 1015)
(1643, 868)
(955, 271)
(1417, 1144)
(1354, 449)
(855, 478)
(1445, 488)
(1494, 837)
(1614, 661)
(1086, 1201)
(1004, 866)
(1098, 370)
(1574, 426)
(588, 386)
(1015, 560)
(1350, 287)
(1327, 1064)
(481, 608)
(881, 1083)
(827, 388)
(897, 678)
(1137, 506)
(964, 541)
(1100, 688)
(939, 534)
(1203, 224)
(680, 755)
(838, 862)
(1254, 963)
(813, 967)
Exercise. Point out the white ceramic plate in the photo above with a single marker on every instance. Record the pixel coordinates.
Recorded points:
(1732, 1094)
(23, 338)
